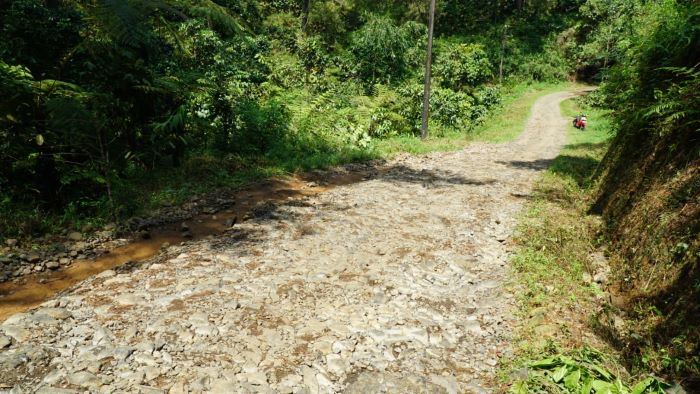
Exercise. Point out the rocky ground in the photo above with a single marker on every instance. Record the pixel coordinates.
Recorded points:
(392, 284)
(52, 253)
(22, 257)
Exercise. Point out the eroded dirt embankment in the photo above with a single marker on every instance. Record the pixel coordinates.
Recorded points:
(391, 284)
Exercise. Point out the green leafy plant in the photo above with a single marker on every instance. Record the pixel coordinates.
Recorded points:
(580, 373)
(463, 66)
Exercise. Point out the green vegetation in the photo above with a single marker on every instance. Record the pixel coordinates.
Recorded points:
(556, 238)
(649, 184)
(109, 108)
(645, 189)
(581, 373)
(505, 123)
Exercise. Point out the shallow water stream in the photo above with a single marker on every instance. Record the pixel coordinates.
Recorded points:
(31, 290)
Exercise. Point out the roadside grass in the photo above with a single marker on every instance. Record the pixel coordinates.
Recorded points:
(502, 125)
(509, 121)
(555, 236)
(204, 173)
(556, 349)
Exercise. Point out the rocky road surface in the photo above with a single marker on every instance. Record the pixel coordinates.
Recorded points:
(393, 284)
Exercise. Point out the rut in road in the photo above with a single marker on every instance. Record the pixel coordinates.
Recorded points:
(394, 284)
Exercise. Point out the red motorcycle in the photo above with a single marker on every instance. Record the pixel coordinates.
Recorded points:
(580, 122)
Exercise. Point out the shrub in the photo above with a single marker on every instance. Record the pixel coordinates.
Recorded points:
(451, 108)
(463, 66)
(378, 48)
(388, 115)
(312, 53)
(283, 27)
(548, 65)
(326, 20)
(447, 107)
(485, 99)
(253, 128)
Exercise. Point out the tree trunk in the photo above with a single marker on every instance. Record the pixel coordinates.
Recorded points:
(503, 50)
(305, 6)
(428, 69)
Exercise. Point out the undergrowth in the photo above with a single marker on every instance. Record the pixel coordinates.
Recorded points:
(206, 171)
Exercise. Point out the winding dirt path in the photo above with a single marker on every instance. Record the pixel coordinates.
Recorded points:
(393, 284)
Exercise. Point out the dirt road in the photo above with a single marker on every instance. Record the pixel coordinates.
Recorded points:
(392, 284)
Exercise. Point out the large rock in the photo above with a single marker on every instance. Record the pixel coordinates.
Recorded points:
(83, 379)
(75, 236)
(56, 313)
(5, 341)
(20, 334)
(129, 299)
(33, 258)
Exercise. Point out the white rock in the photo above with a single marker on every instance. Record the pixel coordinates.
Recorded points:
(335, 364)
(55, 390)
(448, 382)
(5, 341)
(310, 380)
(223, 386)
(129, 299)
(338, 347)
(256, 378)
(207, 330)
(180, 387)
(325, 385)
(150, 372)
(18, 333)
(54, 377)
(106, 274)
(150, 390)
(83, 379)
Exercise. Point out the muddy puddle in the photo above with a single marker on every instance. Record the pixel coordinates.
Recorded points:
(31, 290)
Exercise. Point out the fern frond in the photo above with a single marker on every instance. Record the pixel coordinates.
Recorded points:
(216, 14)
(121, 21)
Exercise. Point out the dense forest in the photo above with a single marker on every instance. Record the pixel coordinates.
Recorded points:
(99, 98)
